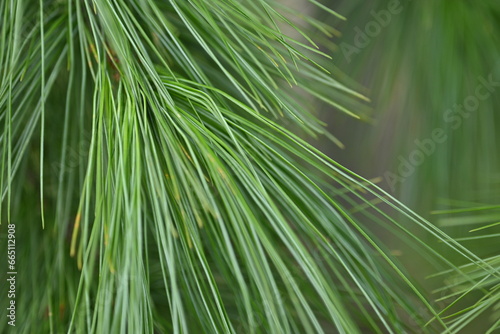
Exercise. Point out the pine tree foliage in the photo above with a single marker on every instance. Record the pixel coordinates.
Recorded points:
(155, 188)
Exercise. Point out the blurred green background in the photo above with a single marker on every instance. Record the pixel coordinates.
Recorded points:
(430, 133)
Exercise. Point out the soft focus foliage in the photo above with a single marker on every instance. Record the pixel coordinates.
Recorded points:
(434, 66)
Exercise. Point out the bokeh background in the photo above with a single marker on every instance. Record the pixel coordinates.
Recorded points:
(428, 67)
